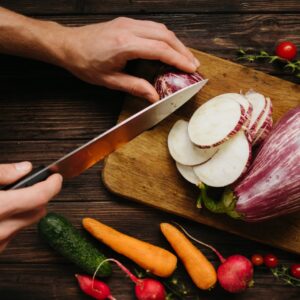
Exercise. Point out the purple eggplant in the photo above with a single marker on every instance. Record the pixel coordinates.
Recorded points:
(171, 81)
(272, 185)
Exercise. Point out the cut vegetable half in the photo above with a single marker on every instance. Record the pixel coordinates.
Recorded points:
(215, 121)
(187, 172)
(228, 164)
(183, 150)
(259, 104)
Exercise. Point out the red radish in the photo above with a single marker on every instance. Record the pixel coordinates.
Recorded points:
(263, 132)
(173, 81)
(94, 287)
(216, 121)
(146, 288)
(235, 274)
(259, 104)
(228, 164)
(187, 172)
(183, 150)
(271, 187)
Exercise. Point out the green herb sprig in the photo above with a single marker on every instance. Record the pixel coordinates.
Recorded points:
(251, 56)
(282, 273)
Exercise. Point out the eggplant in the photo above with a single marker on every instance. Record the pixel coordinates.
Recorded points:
(271, 187)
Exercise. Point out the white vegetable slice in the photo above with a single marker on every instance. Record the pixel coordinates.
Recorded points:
(183, 150)
(265, 118)
(215, 121)
(259, 104)
(187, 172)
(228, 164)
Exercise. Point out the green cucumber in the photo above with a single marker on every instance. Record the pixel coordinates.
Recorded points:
(66, 239)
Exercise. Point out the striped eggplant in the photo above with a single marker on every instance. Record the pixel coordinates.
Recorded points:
(272, 185)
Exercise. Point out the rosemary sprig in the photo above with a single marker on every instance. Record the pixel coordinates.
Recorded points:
(282, 273)
(251, 56)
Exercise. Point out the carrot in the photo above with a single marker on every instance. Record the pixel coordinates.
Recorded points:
(157, 260)
(199, 268)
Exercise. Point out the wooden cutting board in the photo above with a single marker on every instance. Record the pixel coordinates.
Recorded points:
(143, 171)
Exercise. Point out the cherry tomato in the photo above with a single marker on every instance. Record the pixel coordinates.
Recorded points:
(286, 50)
(257, 259)
(271, 261)
(295, 270)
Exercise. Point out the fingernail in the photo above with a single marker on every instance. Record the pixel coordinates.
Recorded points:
(24, 166)
(196, 62)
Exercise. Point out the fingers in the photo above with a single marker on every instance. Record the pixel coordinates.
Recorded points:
(26, 199)
(10, 173)
(11, 226)
(161, 33)
(158, 50)
(133, 85)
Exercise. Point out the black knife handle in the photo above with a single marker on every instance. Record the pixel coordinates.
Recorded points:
(21, 183)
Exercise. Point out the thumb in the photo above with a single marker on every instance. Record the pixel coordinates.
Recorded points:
(133, 85)
(10, 173)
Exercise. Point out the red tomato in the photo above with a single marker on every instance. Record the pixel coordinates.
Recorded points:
(286, 50)
(295, 270)
(257, 259)
(271, 261)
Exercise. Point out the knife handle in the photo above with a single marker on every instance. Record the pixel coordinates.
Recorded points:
(38, 176)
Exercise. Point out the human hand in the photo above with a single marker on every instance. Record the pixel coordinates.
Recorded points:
(98, 53)
(23, 207)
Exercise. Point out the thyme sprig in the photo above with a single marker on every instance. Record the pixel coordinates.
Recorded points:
(251, 56)
(283, 273)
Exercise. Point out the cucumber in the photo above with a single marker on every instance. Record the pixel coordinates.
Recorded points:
(60, 234)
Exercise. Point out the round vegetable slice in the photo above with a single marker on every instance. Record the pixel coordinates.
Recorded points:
(187, 172)
(183, 150)
(215, 121)
(228, 164)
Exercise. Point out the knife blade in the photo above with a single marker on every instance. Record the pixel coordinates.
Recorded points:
(85, 156)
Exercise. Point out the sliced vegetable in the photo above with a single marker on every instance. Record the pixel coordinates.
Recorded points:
(235, 273)
(157, 260)
(228, 164)
(271, 187)
(171, 81)
(259, 104)
(60, 234)
(183, 150)
(94, 288)
(216, 121)
(188, 173)
(199, 268)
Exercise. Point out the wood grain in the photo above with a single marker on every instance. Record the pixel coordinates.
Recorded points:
(143, 170)
(149, 6)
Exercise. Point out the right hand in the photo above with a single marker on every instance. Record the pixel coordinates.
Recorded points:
(23, 207)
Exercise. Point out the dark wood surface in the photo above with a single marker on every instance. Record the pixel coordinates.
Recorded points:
(45, 112)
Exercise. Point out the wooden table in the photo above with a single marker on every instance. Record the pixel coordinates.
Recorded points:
(45, 112)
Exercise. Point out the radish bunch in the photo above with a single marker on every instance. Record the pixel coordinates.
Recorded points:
(214, 147)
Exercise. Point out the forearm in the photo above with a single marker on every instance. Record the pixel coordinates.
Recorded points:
(23, 36)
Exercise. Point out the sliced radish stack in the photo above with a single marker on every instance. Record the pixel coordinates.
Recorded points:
(228, 164)
(187, 172)
(216, 121)
(259, 104)
(183, 150)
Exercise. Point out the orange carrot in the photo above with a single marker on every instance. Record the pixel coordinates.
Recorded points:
(157, 260)
(199, 268)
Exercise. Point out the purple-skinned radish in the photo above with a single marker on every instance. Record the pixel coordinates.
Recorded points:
(183, 150)
(271, 187)
(216, 121)
(228, 164)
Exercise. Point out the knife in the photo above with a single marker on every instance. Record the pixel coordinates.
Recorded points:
(85, 156)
